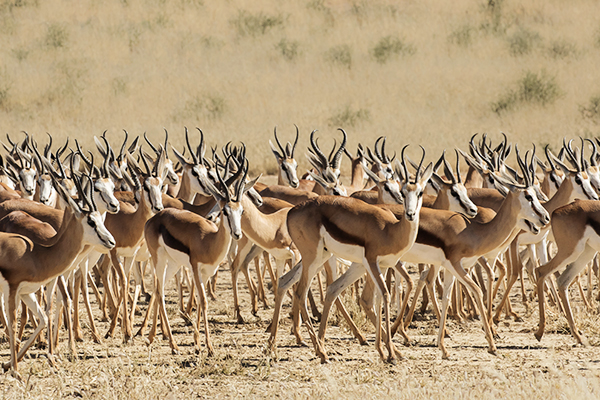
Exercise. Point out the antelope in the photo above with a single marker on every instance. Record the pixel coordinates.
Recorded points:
(575, 185)
(25, 267)
(288, 166)
(179, 237)
(576, 230)
(355, 231)
(128, 226)
(171, 176)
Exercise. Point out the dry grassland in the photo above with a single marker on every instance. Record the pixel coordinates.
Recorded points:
(524, 368)
(426, 72)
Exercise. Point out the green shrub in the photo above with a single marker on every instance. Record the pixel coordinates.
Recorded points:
(209, 106)
(531, 88)
(340, 55)
(349, 117)
(57, 36)
(389, 47)
(290, 50)
(523, 42)
(254, 25)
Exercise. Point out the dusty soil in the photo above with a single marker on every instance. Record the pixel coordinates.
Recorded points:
(523, 368)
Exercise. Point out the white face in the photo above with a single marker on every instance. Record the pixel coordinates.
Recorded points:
(582, 188)
(390, 192)
(94, 231)
(531, 209)
(556, 178)
(232, 214)
(288, 170)
(104, 196)
(413, 199)
(47, 192)
(171, 176)
(153, 194)
(594, 175)
(27, 177)
(460, 201)
(197, 176)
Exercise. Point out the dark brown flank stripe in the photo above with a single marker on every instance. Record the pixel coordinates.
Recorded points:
(595, 225)
(340, 235)
(171, 241)
(427, 238)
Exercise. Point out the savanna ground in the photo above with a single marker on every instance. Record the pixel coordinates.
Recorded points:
(523, 368)
(425, 72)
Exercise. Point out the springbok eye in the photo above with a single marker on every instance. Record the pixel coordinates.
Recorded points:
(552, 178)
(420, 194)
(528, 197)
(578, 180)
(91, 223)
(454, 193)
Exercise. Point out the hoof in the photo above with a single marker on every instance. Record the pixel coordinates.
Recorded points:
(518, 319)
(302, 343)
(175, 352)
(392, 361)
(538, 336)
(325, 360)
(493, 351)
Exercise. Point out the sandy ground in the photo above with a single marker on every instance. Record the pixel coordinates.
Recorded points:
(523, 368)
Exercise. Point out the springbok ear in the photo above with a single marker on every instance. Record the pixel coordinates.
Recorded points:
(471, 161)
(250, 184)
(66, 198)
(426, 175)
(133, 165)
(562, 165)
(319, 179)
(100, 148)
(180, 157)
(503, 182)
(275, 151)
(161, 163)
(372, 175)
(437, 182)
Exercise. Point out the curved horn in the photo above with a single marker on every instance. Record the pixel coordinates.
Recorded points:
(318, 152)
(458, 167)
(447, 169)
(187, 141)
(283, 153)
(201, 147)
(593, 161)
(150, 144)
(337, 158)
(546, 150)
(295, 141)
(418, 174)
(376, 150)
(166, 148)
(404, 164)
(123, 145)
(148, 172)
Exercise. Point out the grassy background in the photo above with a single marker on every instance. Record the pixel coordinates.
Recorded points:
(424, 72)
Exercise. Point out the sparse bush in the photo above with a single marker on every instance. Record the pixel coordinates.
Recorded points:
(532, 88)
(340, 55)
(522, 42)
(350, 117)
(207, 106)
(389, 47)
(254, 25)
(56, 36)
(119, 86)
(5, 87)
(8, 5)
(462, 36)
(592, 109)
(597, 37)
(562, 49)
(20, 53)
(288, 49)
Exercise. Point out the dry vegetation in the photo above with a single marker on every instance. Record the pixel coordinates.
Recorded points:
(524, 368)
(417, 71)
(425, 72)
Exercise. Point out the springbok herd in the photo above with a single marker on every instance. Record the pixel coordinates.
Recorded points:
(71, 219)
